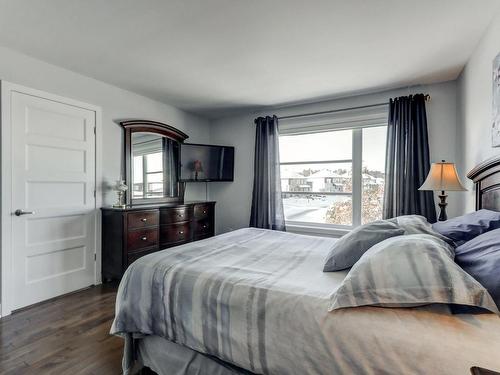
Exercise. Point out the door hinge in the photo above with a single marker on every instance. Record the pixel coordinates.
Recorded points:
(95, 257)
(95, 193)
(95, 131)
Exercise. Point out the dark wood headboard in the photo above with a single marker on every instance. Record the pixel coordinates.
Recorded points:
(486, 177)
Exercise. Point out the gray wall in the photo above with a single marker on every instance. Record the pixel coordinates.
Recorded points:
(471, 145)
(115, 103)
(475, 107)
(234, 198)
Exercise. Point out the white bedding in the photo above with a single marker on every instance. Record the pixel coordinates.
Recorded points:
(258, 299)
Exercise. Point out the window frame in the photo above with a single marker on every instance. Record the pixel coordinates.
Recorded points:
(355, 120)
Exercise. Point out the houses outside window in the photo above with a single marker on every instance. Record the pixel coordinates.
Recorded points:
(333, 177)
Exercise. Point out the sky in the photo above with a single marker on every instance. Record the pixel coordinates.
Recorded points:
(335, 145)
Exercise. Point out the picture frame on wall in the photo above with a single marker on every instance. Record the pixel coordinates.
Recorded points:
(495, 126)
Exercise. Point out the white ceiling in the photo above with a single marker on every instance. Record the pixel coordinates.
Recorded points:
(215, 57)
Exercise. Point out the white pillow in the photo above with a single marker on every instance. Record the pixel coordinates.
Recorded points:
(410, 270)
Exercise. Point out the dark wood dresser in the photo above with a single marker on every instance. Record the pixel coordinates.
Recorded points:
(132, 232)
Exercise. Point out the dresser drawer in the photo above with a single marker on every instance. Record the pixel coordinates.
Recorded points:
(142, 219)
(174, 215)
(142, 238)
(202, 211)
(202, 227)
(175, 233)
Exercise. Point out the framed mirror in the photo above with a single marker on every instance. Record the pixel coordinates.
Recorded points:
(152, 162)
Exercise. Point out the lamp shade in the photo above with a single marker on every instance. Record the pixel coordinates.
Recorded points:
(442, 177)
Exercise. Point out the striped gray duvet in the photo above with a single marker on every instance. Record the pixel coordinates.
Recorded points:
(258, 299)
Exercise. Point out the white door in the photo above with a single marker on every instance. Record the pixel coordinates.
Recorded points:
(53, 199)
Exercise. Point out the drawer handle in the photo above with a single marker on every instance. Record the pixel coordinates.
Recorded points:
(144, 219)
(205, 226)
(144, 238)
(179, 215)
(181, 232)
(204, 211)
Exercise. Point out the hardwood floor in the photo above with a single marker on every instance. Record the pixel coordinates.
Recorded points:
(67, 335)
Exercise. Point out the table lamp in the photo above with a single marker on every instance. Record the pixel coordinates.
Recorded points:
(442, 177)
(197, 167)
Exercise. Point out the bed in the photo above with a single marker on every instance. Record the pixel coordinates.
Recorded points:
(234, 304)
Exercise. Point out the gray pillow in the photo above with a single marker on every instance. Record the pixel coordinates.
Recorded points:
(480, 258)
(416, 224)
(348, 249)
(411, 270)
(464, 228)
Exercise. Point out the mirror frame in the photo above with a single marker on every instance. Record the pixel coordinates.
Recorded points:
(134, 126)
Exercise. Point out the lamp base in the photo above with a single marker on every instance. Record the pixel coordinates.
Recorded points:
(442, 205)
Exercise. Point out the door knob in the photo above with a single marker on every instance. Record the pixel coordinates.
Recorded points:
(19, 212)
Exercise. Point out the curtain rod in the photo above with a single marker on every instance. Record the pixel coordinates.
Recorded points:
(427, 99)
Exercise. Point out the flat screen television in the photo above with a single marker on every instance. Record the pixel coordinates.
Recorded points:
(203, 163)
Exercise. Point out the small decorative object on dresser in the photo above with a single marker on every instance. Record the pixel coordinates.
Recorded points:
(120, 188)
(133, 232)
(442, 177)
(495, 127)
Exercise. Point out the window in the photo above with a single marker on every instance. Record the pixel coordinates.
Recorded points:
(148, 171)
(148, 176)
(333, 177)
(373, 173)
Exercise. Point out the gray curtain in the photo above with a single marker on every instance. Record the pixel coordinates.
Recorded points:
(267, 204)
(407, 159)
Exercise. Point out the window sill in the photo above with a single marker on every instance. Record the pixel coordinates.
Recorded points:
(312, 230)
